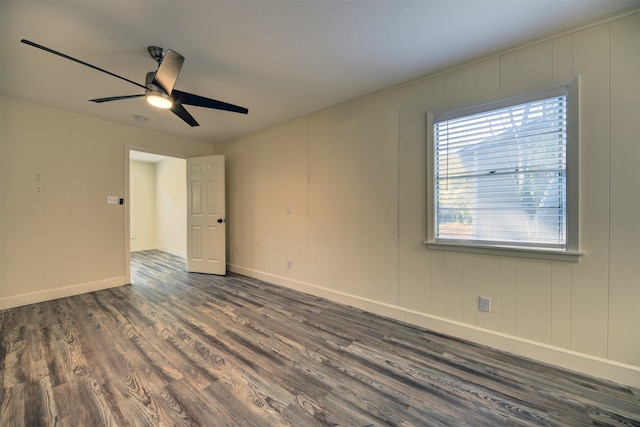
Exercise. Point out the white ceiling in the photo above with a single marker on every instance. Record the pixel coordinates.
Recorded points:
(280, 59)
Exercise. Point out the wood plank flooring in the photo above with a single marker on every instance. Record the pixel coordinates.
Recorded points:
(179, 349)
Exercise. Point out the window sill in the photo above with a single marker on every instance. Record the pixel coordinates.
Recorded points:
(551, 255)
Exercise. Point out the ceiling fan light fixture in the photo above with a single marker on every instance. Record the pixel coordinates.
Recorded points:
(159, 99)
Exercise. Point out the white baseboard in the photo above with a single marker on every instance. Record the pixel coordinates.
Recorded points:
(139, 248)
(611, 370)
(65, 291)
(178, 253)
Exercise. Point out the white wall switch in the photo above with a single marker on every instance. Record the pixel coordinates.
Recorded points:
(112, 200)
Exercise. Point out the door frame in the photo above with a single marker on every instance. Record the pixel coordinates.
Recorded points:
(127, 214)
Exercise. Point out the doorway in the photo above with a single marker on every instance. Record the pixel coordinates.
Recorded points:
(157, 204)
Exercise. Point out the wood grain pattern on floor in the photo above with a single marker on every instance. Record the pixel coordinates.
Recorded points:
(177, 348)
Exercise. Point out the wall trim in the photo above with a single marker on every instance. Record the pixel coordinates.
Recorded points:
(62, 292)
(583, 363)
(176, 252)
(139, 248)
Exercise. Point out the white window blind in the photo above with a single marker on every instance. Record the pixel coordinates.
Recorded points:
(500, 174)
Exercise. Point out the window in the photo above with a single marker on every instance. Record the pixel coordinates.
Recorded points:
(504, 174)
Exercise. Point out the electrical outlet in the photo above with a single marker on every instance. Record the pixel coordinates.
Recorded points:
(288, 264)
(112, 200)
(485, 304)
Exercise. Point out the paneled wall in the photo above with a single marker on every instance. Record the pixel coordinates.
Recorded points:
(59, 236)
(335, 204)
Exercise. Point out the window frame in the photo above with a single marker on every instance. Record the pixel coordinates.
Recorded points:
(571, 253)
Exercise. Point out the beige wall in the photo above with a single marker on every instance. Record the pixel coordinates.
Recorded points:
(342, 195)
(65, 239)
(142, 205)
(171, 206)
(159, 216)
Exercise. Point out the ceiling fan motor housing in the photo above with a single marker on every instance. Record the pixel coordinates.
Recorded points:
(155, 95)
(148, 82)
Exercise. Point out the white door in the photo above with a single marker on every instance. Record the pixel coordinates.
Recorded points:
(206, 222)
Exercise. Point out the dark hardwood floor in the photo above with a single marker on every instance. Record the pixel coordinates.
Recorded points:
(176, 348)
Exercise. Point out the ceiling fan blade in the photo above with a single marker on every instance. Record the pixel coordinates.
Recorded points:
(46, 49)
(168, 71)
(182, 112)
(115, 98)
(201, 101)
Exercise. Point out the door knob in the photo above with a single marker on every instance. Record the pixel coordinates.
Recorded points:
(222, 220)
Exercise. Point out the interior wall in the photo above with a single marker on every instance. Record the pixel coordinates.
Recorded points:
(160, 212)
(171, 206)
(142, 199)
(59, 236)
(335, 204)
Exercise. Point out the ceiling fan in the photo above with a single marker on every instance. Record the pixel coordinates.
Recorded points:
(158, 87)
